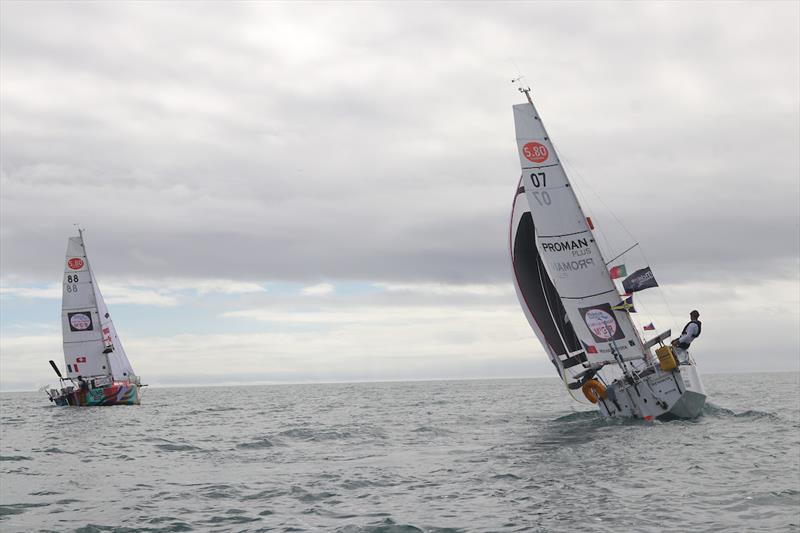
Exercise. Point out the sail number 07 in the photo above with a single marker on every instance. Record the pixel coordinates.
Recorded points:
(539, 179)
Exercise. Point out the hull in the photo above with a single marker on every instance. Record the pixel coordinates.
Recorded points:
(115, 394)
(655, 393)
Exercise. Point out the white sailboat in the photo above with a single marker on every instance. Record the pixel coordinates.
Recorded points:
(98, 370)
(572, 303)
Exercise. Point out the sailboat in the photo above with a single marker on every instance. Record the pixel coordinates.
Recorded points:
(572, 303)
(98, 370)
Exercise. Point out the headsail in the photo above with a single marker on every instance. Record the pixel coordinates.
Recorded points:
(569, 254)
(91, 344)
(539, 298)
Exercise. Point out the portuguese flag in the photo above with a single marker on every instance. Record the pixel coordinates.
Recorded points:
(617, 271)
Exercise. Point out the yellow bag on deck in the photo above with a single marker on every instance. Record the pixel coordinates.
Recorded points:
(666, 358)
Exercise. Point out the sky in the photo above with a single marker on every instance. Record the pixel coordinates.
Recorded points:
(294, 192)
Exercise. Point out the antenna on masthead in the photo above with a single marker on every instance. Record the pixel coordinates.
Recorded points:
(525, 90)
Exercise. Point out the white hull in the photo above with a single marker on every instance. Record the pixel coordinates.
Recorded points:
(654, 393)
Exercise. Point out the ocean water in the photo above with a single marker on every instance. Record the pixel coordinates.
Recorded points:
(493, 455)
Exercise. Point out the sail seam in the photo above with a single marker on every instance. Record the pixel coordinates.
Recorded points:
(541, 166)
(587, 296)
(562, 235)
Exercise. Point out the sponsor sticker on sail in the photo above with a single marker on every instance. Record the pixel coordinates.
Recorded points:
(590, 348)
(601, 323)
(75, 263)
(81, 321)
(535, 152)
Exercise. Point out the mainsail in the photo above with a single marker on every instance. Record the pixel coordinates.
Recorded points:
(91, 345)
(580, 293)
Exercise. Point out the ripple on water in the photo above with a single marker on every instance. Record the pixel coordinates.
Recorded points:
(471, 456)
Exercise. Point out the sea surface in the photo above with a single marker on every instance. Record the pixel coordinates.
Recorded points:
(436, 456)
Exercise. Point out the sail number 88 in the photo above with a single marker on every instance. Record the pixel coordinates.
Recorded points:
(539, 179)
(71, 286)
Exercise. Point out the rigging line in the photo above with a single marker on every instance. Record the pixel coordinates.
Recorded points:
(623, 253)
(611, 212)
(585, 204)
(584, 182)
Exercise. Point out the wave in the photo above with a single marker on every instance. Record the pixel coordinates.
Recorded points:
(177, 447)
(255, 445)
(713, 410)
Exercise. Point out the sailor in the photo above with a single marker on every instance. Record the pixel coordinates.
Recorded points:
(82, 383)
(690, 331)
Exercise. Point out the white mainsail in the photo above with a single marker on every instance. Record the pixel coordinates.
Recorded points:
(569, 253)
(91, 345)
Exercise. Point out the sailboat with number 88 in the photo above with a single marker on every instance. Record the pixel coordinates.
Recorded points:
(98, 371)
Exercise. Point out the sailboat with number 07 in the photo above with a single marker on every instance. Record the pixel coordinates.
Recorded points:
(98, 370)
(572, 303)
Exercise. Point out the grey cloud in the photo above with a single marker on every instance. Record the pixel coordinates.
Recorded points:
(260, 141)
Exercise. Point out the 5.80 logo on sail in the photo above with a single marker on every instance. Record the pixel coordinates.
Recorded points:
(76, 263)
(535, 152)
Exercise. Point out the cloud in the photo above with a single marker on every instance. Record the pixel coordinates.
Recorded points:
(401, 170)
(442, 289)
(259, 144)
(158, 293)
(320, 289)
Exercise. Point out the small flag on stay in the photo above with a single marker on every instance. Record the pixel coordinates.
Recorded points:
(625, 305)
(650, 327)
(617, 271)
(589, 347)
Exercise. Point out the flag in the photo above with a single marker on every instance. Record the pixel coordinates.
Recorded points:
(650, 327)
(640, 280)
(589, 348)
(80, 359)
(617, 272)
(625, 305)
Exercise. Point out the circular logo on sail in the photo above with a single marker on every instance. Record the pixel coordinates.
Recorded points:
(536, 152)
(80, 321)
(601, 324)
(76, 263)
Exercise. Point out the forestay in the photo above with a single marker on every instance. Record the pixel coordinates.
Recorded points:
(91, 344)
(568, 250)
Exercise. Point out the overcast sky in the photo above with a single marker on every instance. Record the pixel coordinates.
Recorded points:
(321, 191)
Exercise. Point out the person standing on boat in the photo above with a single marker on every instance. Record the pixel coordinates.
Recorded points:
(690, 332)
